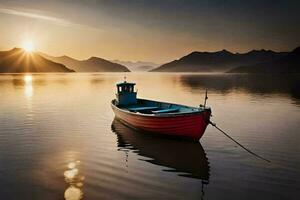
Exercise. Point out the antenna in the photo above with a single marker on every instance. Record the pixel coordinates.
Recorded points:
(125, 78)
(205, 98)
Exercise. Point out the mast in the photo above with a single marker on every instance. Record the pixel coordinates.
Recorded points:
(205, 98)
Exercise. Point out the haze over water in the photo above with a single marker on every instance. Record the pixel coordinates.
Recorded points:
(59, 139)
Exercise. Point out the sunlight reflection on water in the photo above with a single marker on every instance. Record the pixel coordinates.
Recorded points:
(75, 181)
(73, 193)
(28, 88)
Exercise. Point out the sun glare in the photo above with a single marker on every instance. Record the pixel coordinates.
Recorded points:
(28, 88)
(28, 46)
(27, 78)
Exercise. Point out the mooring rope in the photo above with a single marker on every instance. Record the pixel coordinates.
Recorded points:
(249, 151)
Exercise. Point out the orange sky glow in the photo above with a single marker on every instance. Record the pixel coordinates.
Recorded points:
(157, 32)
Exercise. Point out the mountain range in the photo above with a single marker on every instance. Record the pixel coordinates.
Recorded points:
(256, 61)
(290, 63)
(93, 64)
(18, 61)
(138, 66)
(220, 61)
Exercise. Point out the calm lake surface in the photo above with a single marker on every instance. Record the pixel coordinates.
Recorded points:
(59, 139)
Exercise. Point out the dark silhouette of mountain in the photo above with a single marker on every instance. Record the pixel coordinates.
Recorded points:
(289, 63)
(220, 61)
(138, 66)
(18, 60)
(93, 64)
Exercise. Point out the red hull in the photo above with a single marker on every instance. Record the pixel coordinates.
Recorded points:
(189, 125)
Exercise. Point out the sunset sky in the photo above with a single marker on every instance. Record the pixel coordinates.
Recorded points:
(153, 30)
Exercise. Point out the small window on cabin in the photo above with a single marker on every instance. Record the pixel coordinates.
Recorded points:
(125, 88)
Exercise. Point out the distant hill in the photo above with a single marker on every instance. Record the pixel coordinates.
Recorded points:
(137, 66)
(220, 61)
(143, 68)
(93, 64)
(289, 63)
(19, 61)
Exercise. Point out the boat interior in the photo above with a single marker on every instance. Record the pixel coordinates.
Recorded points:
(126, 99)
(154, 107)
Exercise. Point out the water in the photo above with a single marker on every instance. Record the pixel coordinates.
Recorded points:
(59, 140)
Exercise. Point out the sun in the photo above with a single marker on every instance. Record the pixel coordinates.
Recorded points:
(28, 46)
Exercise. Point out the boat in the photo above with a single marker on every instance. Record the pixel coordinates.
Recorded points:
(184, 158)
(166, 119)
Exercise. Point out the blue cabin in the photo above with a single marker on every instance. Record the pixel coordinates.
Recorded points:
(126, 94)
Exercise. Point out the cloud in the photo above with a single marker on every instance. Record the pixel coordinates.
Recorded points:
(36, 16)
(55, 20)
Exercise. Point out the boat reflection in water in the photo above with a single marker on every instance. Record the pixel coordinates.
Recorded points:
(186, 158)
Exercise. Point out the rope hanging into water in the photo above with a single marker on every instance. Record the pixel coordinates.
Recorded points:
(249, 151)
